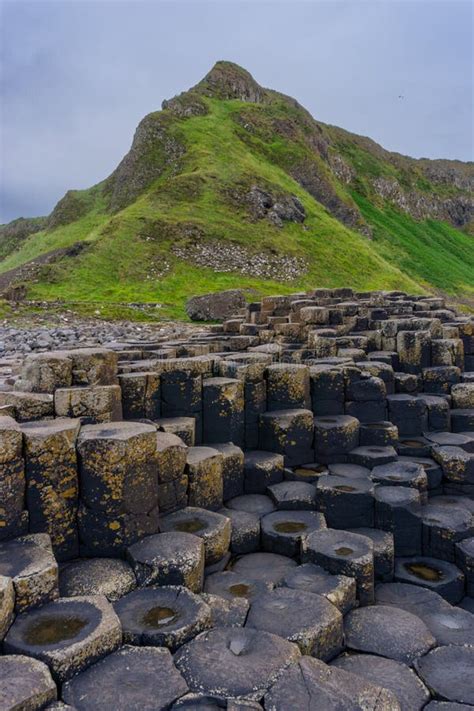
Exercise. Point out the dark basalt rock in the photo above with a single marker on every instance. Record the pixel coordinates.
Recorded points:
(398, 678)
(313, 685)
(388, 632)
(235, 663)
(111, 577)
(68, 634)
(165, 616)
(307, 619)
(447, 671)
(339, 590)
(25, 683)
(132, 677)
(215, 307)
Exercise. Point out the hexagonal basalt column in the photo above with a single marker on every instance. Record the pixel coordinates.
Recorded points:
(25, 683)
(344, 503)
(12, 480)
(465, 561)
(287, 386)
(169, 559)
(181, 389)
(394, 676)
(68, 634)
(141, 395)
(93, 366)
(232, 469)
(432, 573)
(408, 474)
(45, 372)
(447, 671)
(336, 688)
(119, 485)
(171, 454)
(340, 552)
(52, 484)
(408, 413)
(282, 531)
(229, 662)
(226, 613)
(327, 388)
(131, 678)
(111, 577)
(28, 406)
(316, 628)
(288, 432)
(293, 495)
(389, 632)
(30, 563)
(213, 528)
(335, 436)
(442, 528)
(383, 551)
(245, 534)
(167, 616)
(205, 479)
(397, 510)
(340, 590)
(261, 469)
(414, 350)
(233, 585)
(92, 404)
(223, 410)
(267, 567)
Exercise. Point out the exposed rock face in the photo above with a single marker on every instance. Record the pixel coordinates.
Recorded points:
(458, 210)
(154, 148)
(15, 232)
(261, 203)
(229, 81)
(71, 207)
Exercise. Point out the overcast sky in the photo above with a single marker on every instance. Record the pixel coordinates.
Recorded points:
(77, 76)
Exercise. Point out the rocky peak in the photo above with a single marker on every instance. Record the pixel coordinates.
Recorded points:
(227, 80)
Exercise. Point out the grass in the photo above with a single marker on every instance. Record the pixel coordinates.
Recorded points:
(129, 257)
(431, 252)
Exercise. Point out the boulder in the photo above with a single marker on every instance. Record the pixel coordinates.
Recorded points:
(215, 307)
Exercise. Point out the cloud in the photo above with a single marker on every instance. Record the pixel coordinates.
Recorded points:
(77, 76)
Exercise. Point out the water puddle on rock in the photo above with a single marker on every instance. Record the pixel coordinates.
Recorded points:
(290, 527)
(191, 525)
(52, 630)
(344, 550)
(239, 590)
(424, 572)
(159, 616)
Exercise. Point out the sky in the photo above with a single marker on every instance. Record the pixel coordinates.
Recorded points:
(76, 76)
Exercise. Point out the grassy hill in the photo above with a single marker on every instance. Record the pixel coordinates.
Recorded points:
(233, 185)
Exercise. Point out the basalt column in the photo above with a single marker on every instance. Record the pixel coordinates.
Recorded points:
(119, 486)
(52, 486)
(13, 517)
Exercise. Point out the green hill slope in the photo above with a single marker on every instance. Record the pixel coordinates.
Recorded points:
(233, 185)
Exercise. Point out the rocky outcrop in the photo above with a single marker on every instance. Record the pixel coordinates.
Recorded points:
(153, 150)
(15, 232)
(227, 80)
(71, 207)
(216, 306)
(458, 210)
(263, 203)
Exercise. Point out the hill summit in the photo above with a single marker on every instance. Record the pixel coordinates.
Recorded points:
(232, 184)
